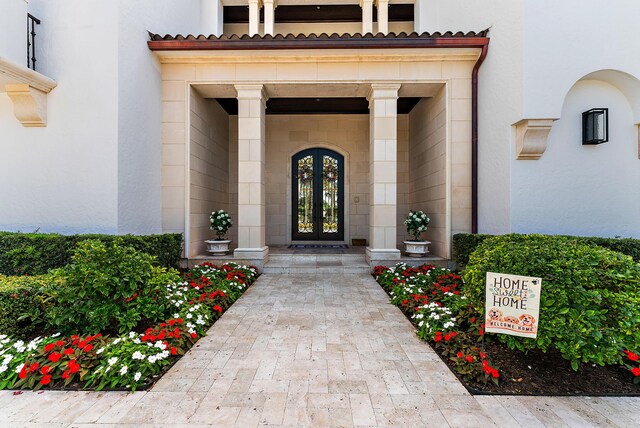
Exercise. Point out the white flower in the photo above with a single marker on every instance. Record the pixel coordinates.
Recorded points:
(132, 335)
(137, 376)
(111, 361)
(100, 351)
(116, 341)
(137, 355)
(123, 370)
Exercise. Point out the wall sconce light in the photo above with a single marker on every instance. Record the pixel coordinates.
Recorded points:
(595, 126)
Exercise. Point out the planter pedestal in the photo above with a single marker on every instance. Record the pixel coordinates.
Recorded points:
(417, 248)
(218, 248)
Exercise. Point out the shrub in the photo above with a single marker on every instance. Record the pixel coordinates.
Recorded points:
(37, 253)
(22, 304)
(465, 243)
(589, 307)
(109, 288)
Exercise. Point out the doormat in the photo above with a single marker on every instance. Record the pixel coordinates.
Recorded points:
(333, 247)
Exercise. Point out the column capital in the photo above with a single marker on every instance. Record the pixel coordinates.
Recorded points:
(258, 2)
(270, 2)
(380, 91)
(381, 2)
(251, 92)
(362, 2)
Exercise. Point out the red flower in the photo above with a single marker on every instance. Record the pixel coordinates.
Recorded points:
(217, 308)
(68, 351)
(88, 348)
(45, 370)
(174, 351)
(46, 380)
(495, 373)
(73, 366)
(60, 343)
(632, 356)
(172, 322)
(469, 358)
(180, 320)
(65, 374)
(447, 337)
(473, 320)
(460, 355)
(193, 335)
(636, 371)
(23, 372)
(34, 367)
(82, 344)
(54, 357)
(49, 347)
(162, 335)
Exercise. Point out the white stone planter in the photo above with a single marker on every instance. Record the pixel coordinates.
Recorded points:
(217, 248)
(417, 248)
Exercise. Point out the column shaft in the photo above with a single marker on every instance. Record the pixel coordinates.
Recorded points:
(251, 172)
(383, 16)
(367, 16)
(269, 16)
(383, 116)
(254, 16)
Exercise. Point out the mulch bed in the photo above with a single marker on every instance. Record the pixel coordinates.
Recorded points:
(539, 373)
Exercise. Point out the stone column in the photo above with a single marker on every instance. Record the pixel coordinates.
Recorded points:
(251, 173)
(254, 16)
(367, 16)
(383, 16)
(269, 16)
(383, 129)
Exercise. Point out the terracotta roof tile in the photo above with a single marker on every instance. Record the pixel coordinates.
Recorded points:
(317, 41)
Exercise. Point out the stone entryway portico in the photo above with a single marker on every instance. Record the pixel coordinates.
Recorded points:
(223, 148)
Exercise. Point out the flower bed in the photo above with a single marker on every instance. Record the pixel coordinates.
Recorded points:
(434, 300)
(132, 359)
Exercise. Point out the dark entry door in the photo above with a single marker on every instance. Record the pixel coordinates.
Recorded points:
(317, 196)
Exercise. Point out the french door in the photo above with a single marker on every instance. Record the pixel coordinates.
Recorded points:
(317, 196)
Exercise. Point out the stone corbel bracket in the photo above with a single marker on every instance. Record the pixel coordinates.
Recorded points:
(531, 138)
(28, 91)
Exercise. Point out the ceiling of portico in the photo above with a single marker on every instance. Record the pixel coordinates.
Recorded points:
(323, 90)
(309, 2)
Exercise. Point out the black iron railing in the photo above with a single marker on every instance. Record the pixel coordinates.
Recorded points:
(32, 21)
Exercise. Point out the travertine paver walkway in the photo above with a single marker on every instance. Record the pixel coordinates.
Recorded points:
(311, 350)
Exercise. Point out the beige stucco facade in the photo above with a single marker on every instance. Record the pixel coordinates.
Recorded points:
(393, 162)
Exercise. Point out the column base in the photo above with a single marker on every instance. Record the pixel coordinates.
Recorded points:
(375, 256)
(252, 256)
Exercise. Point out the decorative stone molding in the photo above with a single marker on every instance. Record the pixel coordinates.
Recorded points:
(28, 91)
(29, 104)
(531, 138)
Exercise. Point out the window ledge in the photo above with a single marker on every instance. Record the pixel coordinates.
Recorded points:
(28, 91)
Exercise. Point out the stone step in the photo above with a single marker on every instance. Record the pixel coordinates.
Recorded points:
(328, 270)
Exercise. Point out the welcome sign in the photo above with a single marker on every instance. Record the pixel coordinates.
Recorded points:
(512, 304)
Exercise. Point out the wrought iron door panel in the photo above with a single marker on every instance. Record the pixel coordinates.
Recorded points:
(317, 196)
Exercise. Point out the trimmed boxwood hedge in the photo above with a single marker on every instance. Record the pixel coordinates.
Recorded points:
(589, 306)
(36, 253)
(22, 304)
(465, 243)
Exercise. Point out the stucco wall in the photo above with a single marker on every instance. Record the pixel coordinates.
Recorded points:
(285, 136)
(64, 178)
(500, 102)
(428, 167)
(13, 31)
(583, 190)
(208, 167)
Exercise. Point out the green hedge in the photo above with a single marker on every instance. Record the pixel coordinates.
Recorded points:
(465, 243)
(22, 304)
(589, 305)
(36, 253)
